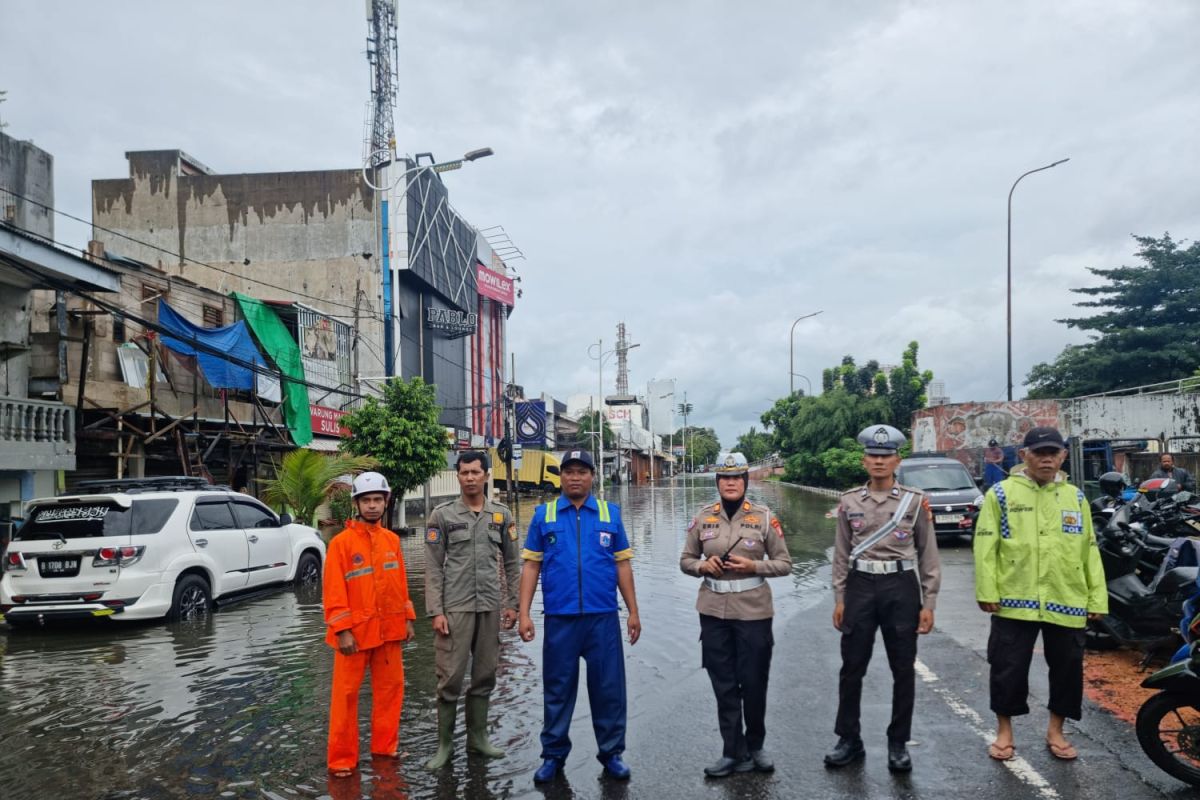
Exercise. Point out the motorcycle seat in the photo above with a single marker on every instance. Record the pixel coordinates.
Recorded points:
(1178, 578)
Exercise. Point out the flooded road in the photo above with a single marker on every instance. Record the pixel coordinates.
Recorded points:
(236, 706)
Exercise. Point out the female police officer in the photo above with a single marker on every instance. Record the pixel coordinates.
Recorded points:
(733, 545)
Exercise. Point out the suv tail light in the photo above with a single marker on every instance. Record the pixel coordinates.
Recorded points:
(118, 556)
(14, 561)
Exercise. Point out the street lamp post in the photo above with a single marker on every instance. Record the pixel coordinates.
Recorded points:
(1009, 269)
(601, 354)
(792, 355)
(376, 164)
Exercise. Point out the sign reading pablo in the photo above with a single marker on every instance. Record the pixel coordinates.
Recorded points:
(452, 321)
(327, 421)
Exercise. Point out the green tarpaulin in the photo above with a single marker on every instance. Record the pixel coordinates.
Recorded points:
(278, 343)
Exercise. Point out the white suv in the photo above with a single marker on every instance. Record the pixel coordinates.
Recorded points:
(147, 548)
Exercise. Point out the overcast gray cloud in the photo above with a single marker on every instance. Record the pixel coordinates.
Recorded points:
(703, 171)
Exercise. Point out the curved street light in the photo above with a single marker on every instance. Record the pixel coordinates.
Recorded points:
(444, 166)
(792, 354)
(1009, 270)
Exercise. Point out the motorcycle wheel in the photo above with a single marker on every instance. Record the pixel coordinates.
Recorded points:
(1168, 729)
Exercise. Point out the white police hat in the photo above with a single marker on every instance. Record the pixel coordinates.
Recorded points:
(881, 440)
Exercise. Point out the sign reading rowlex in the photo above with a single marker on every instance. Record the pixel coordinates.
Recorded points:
(451, 321)
(494, 285)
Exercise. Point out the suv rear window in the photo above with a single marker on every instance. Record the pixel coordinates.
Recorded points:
(85, 520)
(936, 477)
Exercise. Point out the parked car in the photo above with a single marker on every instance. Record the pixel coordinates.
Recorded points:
(148, 548)
(954, 496)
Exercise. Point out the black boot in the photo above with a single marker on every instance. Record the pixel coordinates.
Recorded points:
(848, 750)
(898, 758)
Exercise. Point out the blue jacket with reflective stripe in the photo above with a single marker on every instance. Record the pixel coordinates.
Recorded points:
(579, 550)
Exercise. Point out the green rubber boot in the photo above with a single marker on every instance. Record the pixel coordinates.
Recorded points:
(477, 738)
(445, 751)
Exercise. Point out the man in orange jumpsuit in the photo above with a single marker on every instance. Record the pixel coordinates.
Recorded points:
(368, 614)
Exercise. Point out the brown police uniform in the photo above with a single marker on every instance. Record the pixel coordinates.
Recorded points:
(463, 554)
(885, 587)
(735, 615)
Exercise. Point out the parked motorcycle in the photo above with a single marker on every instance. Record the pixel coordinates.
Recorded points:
(1145, 599)
(1168, 723)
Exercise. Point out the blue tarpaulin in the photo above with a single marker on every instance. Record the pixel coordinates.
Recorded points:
(219, 370)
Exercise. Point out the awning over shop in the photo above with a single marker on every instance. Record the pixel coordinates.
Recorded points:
(281, 346)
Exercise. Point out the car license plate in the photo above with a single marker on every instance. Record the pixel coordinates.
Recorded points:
(947, 519)
(59, 567)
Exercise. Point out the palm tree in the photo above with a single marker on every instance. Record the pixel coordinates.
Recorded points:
(305, 479)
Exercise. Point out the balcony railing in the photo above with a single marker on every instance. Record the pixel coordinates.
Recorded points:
(35, 434)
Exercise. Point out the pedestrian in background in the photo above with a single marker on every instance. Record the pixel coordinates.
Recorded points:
(733, 545)
(577, 545)
(886, 575)
(465, 541)
(1037, 570)
(1167, 469)
(367, 615)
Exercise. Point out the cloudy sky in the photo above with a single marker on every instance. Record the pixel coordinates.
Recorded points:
(705, 172)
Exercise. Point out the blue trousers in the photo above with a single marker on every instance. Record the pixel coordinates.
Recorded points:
(597, 639)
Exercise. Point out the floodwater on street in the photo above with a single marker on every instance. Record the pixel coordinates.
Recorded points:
(236, 706)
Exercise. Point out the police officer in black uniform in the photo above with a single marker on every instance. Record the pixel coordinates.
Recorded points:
(886, 576)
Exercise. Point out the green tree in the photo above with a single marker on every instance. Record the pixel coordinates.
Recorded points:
(755, 445)
(835, 467)
(305, 478)
(589, 423)
(401, 431)
(702, 445)
(906, 388)
(1144, 330)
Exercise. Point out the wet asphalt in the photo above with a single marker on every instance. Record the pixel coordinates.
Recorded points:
(235, 707)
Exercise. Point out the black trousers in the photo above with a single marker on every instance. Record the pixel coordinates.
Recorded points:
(891, 604)
(1010, 652)
(737, 655)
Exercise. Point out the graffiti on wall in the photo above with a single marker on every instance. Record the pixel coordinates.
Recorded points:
(975, 425)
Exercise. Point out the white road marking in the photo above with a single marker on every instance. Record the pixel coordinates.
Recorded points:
(1018, 766)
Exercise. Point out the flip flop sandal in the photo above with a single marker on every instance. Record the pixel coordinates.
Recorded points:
(1001, 752)
(1065, 752)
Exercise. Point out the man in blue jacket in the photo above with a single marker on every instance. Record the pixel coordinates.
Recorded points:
(578, 546)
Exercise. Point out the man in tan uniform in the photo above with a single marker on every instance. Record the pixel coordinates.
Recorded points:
(733, 545)
(465, 542)
(886, 575)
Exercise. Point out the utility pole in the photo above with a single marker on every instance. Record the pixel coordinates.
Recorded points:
(685, 408)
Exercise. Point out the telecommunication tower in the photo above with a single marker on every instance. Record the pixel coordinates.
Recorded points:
(383, 56)
(623, 349)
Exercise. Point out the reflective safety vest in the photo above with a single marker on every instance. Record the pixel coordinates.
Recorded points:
(365, 588)
(579, 550)
(1036, 554)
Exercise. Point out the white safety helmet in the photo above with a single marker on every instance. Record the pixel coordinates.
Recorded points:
(369, 482)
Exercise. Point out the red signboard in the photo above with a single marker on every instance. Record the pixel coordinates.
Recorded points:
(327, 421)
(494, 285)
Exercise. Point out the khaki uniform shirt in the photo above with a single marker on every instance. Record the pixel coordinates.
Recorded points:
(463, 551)
(861, 512)
(711, 533)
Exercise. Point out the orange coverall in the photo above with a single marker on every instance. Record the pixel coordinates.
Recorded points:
(365, 591)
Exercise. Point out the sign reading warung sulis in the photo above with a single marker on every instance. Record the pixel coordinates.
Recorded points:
(494, 285)
(327, 421)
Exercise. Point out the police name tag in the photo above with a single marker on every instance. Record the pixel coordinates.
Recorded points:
(705, 535)
(1072, 522)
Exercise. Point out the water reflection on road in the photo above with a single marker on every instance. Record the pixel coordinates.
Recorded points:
(236, 706)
